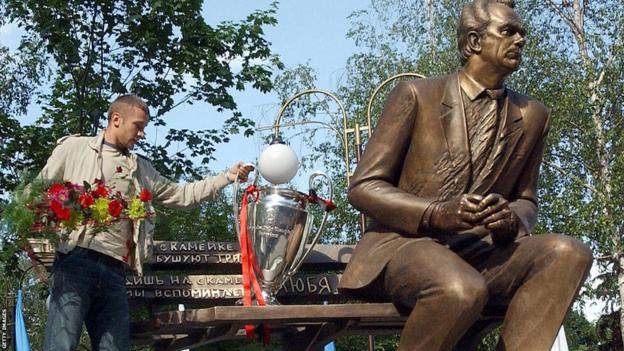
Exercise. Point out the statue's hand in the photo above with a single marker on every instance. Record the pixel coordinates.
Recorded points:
(497, 217)
(456, 214)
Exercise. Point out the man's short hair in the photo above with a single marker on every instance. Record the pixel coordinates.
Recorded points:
(474, 17)
(125, 101)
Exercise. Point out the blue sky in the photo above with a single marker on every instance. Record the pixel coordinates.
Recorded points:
(311, 32)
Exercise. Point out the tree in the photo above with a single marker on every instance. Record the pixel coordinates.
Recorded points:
(580, 333)
(582, 57)
(76, 56)
(211, 220)
(162, 51)
(19, 74)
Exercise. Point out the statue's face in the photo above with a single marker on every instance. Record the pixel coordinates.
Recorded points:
(502, 43)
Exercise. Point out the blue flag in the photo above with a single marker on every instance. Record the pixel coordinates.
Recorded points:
(21, 335)
(330, 347)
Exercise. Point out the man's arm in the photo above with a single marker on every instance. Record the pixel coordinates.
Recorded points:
(191, 194)
(373, 188)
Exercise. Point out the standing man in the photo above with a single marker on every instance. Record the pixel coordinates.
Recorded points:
(449, 179)
(88, 284)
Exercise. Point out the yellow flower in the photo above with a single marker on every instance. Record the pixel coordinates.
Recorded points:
(136, 209)
(99, 210)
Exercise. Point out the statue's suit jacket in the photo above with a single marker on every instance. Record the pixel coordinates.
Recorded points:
(419, 153)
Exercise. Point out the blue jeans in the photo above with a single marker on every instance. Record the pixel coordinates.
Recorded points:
(87, 287)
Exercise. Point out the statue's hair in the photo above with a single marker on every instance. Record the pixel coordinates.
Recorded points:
(475, 17)
(125, 101)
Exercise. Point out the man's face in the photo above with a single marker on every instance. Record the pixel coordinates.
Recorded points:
(502, 43)
(130, 127)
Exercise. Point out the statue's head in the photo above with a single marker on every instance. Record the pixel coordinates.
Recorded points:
(491, 31)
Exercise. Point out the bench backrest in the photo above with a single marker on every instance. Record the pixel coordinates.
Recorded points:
(209, 273)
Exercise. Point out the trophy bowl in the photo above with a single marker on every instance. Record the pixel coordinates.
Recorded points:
(278, 225)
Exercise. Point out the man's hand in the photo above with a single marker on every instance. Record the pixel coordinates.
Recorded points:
(240, 170)
(496, 216)
(457, 214)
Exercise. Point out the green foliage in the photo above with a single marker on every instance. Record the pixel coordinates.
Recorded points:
(573, 65)
(17, 217)
(20, 73)
(163, 51)
(16, 222)
(212, 221)
(360, 342)
(608, 330)
(580, 333)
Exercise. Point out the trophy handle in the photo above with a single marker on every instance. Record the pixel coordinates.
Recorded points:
(313, 176)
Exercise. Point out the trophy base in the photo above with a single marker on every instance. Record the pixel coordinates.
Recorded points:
(270, 299)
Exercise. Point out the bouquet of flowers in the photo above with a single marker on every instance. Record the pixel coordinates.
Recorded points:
(52, 209)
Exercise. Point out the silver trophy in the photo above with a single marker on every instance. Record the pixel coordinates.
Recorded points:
(278, 226)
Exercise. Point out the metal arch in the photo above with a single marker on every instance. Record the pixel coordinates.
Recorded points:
(296, 123)
(343, 136)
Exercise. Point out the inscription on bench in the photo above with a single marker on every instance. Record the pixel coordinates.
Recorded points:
(196, 258)
(195, 252)
(194, 246)
(223, 287)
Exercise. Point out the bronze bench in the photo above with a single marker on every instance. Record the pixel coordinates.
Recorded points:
(304, 327)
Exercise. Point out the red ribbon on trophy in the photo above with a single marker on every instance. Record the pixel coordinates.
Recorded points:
(326, 205)
(248, 259)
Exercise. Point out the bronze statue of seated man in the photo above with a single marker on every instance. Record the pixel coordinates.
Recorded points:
(449, 181)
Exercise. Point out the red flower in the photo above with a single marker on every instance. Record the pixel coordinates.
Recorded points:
(55, 205)
(118, 169)
(56, 188)
(58, 192)
(145, 195)
(100, 190)
(114, 208)
(85, 200)
(60, 212)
